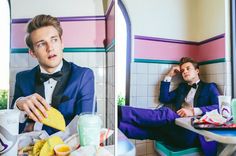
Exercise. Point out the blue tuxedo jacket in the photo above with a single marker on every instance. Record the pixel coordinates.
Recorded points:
(76, 95)
(206, 97)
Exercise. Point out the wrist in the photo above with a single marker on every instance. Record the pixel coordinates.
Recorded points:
(18, 104)
(192, 109)
(170, 75)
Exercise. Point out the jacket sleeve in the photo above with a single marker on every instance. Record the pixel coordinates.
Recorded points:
(167, 96)
(86, 98)
(213, 102)
(18, 93)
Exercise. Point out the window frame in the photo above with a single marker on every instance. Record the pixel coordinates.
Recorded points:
(128, 50)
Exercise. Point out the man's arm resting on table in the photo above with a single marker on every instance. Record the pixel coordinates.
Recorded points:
(188, 112)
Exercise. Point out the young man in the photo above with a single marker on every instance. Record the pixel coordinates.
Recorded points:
(54, 82)
(190, 98)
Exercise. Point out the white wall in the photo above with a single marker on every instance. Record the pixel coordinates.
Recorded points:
(211, 18)
(167, 19)
(58, 8)
(192, 20)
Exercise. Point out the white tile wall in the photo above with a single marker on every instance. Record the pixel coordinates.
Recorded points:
(110, 94)
(142, 79)
(152, 91)
(145, 81)
(220, 73)
(79, 58)
(144, 147)
(97, 60)
(142, 68)
(142, 102)
(142, 90)
(19, 61)
(32, 62)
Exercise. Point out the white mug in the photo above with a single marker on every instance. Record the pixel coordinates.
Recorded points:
(9, 130)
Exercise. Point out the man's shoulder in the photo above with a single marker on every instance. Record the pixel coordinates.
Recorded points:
(75, 69)
(27, 73)
(208, 84)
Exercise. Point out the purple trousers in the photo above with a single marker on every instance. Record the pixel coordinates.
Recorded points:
(159, 124)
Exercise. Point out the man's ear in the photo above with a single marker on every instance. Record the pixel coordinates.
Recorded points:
(62, 43)
(197, 69)
(31, 52)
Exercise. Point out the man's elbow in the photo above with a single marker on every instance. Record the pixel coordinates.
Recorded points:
(163, 100)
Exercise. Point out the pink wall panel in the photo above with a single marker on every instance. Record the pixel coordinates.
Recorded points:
(110, 26)
(75, 34)
(159, 50)
(84, 33)
(17, 35)
(211, 50)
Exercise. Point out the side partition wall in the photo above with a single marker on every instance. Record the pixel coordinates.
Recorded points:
(110, 68)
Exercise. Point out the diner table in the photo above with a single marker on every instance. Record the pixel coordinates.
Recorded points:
(124, 146)
(226, 136)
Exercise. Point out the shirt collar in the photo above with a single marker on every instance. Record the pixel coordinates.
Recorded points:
(57, 69)
(196, 82)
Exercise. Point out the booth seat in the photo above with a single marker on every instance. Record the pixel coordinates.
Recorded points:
(168, 150)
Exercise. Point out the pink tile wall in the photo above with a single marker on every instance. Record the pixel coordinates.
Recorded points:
(110, 24)
(171, 50)
(211, 50)
(76, 34)
(146, 49)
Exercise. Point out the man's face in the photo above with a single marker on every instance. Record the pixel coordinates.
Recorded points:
(48, 47)
(189, 73)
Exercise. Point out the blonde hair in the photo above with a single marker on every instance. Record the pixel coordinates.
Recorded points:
(40, 21)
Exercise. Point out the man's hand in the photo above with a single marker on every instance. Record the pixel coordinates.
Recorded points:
(185, 112)
(31, 104)
(174, 70)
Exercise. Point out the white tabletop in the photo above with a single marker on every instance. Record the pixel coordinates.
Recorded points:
(227, 136)
(124, 146)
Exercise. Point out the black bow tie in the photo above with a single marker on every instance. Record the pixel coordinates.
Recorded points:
(193, 86)
(45, 77)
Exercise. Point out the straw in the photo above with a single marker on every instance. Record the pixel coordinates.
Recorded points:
(94, 98)
(224, 90)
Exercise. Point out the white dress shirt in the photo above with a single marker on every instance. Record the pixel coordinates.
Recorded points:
(189, 100)
(49, 87)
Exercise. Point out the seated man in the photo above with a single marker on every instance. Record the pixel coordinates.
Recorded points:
(54, 82)
(193, 97)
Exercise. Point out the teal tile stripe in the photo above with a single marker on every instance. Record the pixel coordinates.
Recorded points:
(212, 61)
(156, 61)
(72, 50)
(84, 50)
(176, 62)
(109, 48)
